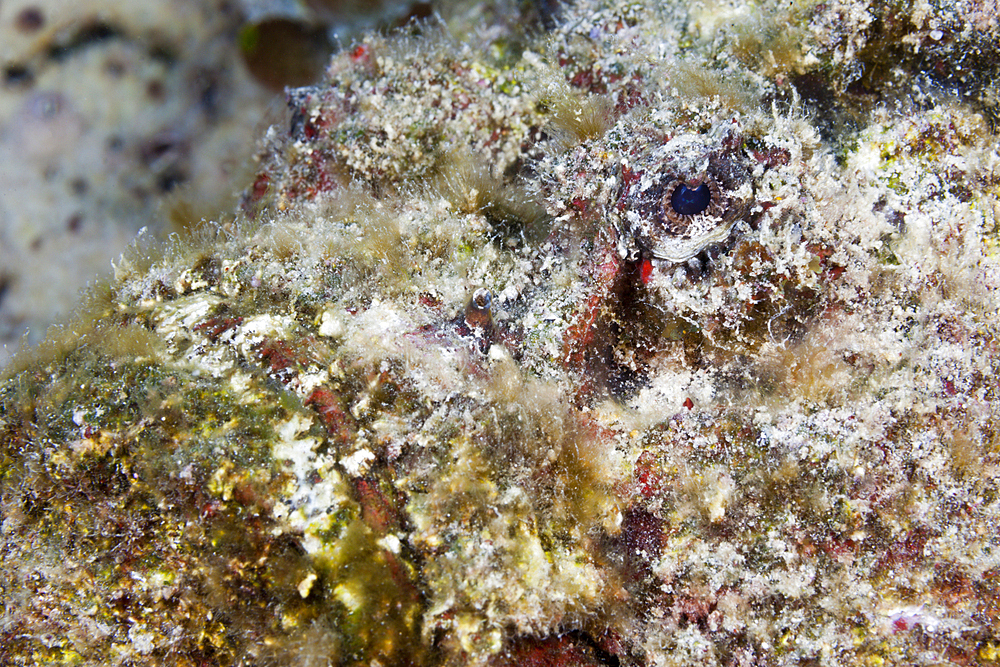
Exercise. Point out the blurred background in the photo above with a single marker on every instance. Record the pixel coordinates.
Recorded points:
(119, 115)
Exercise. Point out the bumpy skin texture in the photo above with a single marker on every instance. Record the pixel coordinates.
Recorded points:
(460, 391)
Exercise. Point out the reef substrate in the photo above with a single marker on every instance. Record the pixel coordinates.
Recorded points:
(645, 335)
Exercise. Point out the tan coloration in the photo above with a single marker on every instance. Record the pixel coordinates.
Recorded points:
(472, 187)
(771, 40)
(983, 14)
(514, 567)
(579, 116)
(695, 80)
(812, 369)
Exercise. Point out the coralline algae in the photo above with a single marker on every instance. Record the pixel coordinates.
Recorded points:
(459, 388)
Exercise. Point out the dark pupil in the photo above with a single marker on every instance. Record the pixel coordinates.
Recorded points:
(689, 202)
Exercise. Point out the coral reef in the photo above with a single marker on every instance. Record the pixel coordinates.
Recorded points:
(663, 336)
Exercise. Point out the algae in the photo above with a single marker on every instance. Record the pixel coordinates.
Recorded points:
(438, 397)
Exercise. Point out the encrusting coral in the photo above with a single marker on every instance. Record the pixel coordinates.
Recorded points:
(657, 338)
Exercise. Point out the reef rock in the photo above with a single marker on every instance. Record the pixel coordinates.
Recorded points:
(662, 336)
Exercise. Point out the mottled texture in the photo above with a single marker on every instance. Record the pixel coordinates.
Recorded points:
(313, 438)
(118, 116)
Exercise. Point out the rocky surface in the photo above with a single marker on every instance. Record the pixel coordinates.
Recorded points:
(665, 335)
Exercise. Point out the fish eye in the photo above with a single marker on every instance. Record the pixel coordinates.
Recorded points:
(683, 207)
(684, 196)
(690, 201)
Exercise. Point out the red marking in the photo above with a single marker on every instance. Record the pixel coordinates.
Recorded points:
(646, 272)
(278, 355)
(688, 403)
(824, 252)
(900, 624)
(839, 548)
(772, 157)
(429, 300)
(338, 423)
(260, 187)
(377, 510)
(629, 177)
(583, 79)
(581, 332)
(310, 131)
(566, 650)
(210, 509)
(648, 475)
(642, 539)
(629, 98)
(580, 204)
(214, 327)
(360, 53)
